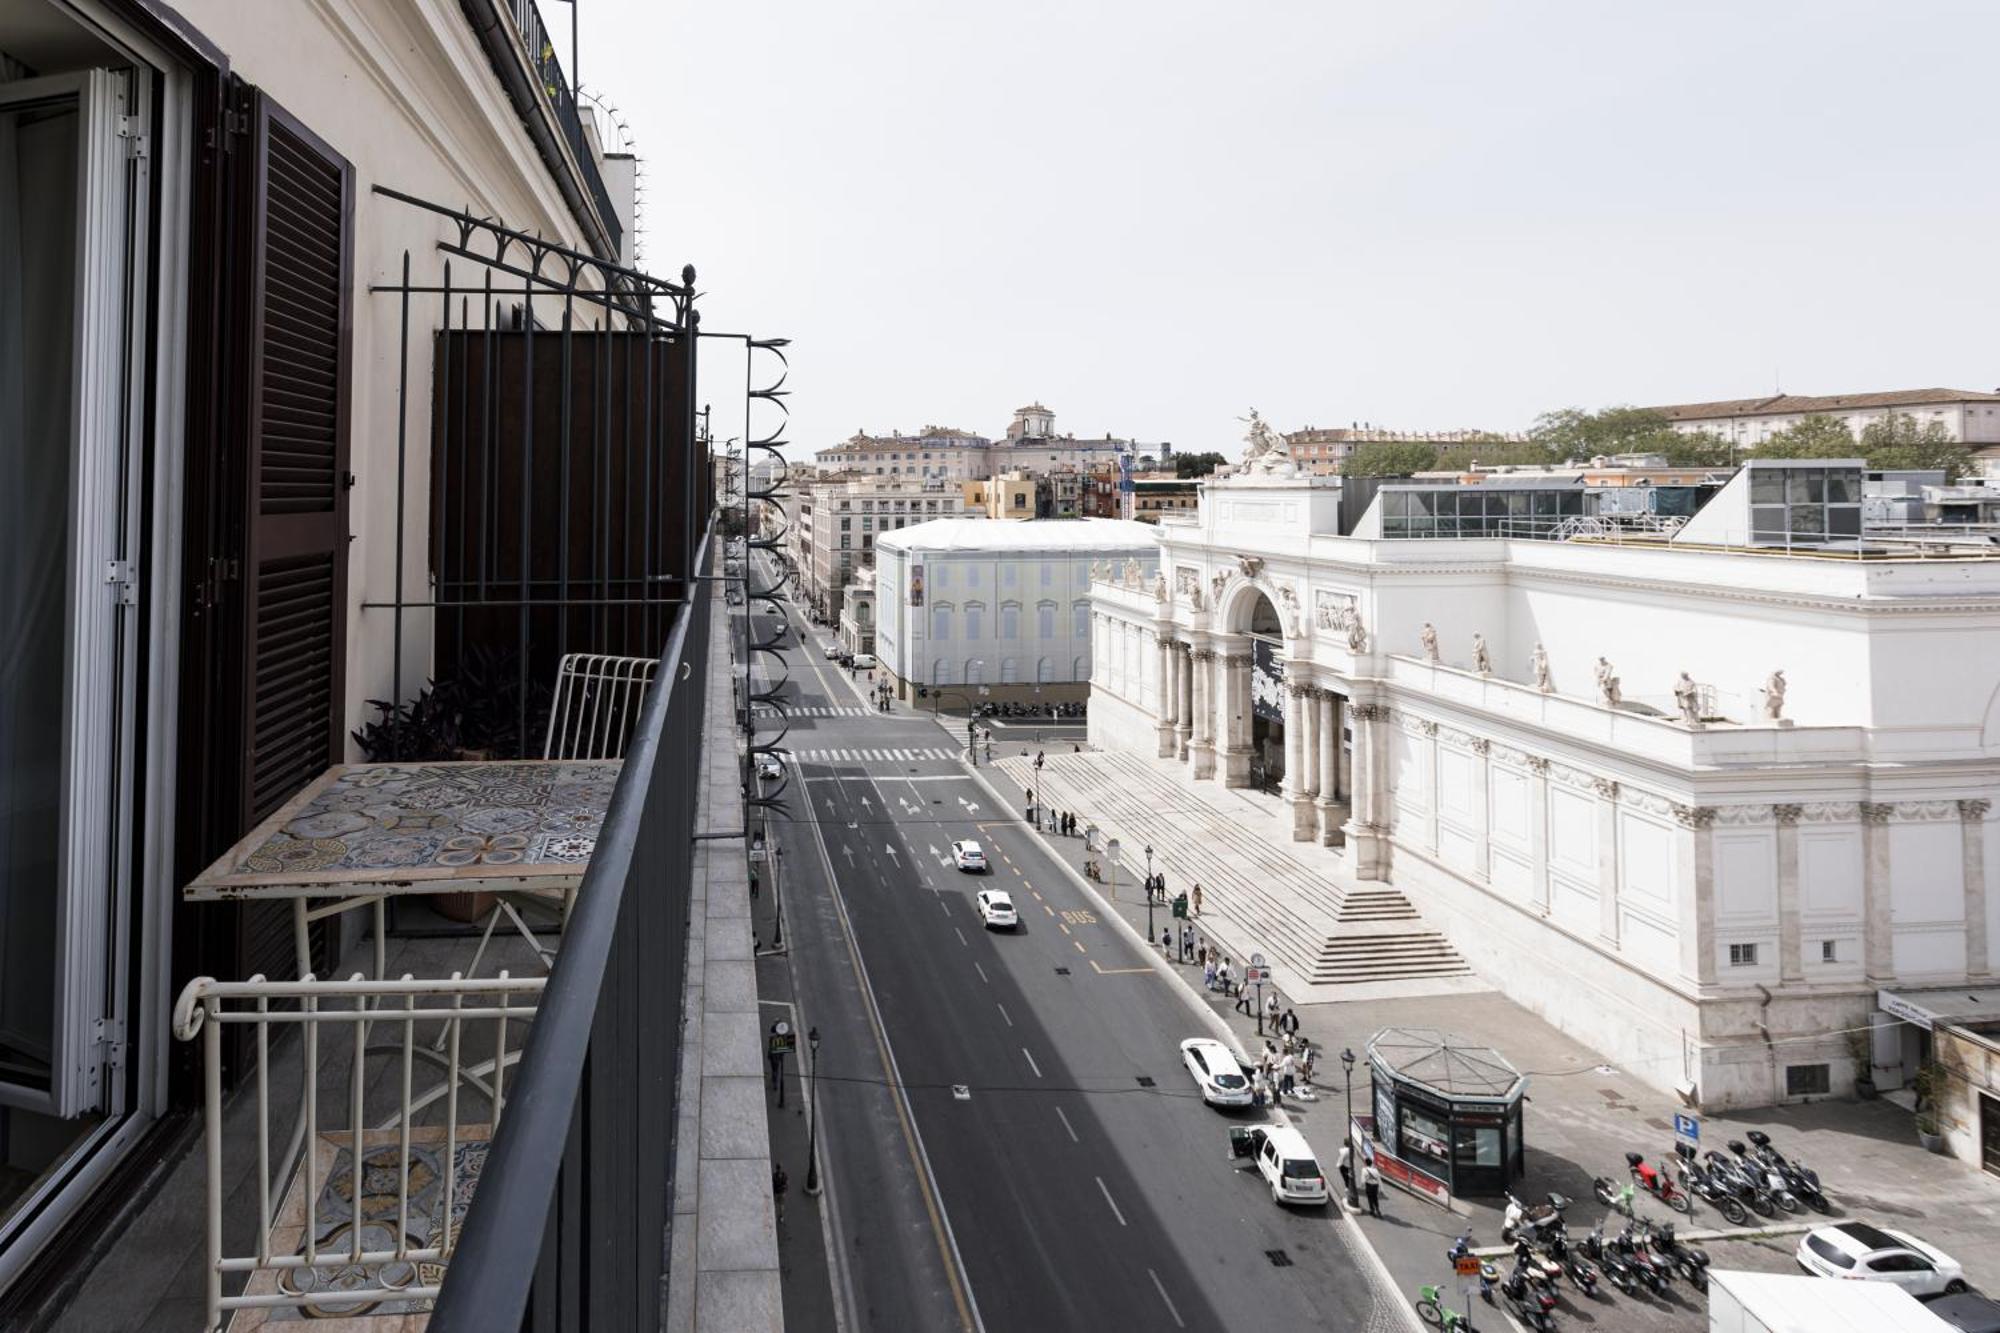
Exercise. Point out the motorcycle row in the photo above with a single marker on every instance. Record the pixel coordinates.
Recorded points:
(1644, 1255)
(1033, 710)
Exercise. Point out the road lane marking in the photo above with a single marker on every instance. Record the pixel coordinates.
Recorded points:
(1003, 1013)
(1157, 1286)
(982, 973)
(961, 936)
(1063, 926)
(1106, 1191)
(1050, 910)
(1066, 1125)
(1031, 1062)
(1038, 896)
(1103, 971)
(1079, 946)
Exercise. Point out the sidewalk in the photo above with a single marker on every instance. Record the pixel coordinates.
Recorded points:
(1582, 1117)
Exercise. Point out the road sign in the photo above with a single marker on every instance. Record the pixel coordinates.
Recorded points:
(1687, 1129)
(1255, 975)
(1256, 960)
(1467, 1265)
(783, 1040)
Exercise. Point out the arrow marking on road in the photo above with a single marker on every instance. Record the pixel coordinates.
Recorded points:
(848, 852)
(892, 851)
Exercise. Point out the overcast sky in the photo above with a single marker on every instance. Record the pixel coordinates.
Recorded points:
(1152, 215)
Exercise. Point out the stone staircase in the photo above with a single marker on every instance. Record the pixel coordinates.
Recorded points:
(1301, 918)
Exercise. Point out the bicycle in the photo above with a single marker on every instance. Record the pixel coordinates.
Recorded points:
(1433, 1311)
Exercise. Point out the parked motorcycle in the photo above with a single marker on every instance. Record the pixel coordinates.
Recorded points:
(1690, 1262)
(1536, 1220)
(1803, 1180)
(1613, 1264)
(1488, 1274)
(1648, 1267)
(1528, 1300)
(1541, 1268)
(1702, 1185)
(1770, 1177)
(1750, 1189)
(1656, 1183)
(1580, 1274)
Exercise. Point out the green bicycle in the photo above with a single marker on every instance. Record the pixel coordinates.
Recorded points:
(1433, 1311)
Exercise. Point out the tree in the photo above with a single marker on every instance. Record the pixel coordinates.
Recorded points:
(1572, 434)
(1196, 465)
(1698, 448)
(1494, 451)
(1389, 460)
(1901, 441)
(1817, 436)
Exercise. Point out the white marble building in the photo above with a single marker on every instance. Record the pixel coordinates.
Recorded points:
(1714, 903)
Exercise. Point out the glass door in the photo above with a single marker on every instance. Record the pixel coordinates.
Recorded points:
(70, 185)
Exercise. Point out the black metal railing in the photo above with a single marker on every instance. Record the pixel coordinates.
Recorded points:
(569, 1226)
(555, 86)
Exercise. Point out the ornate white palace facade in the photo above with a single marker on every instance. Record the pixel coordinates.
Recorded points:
(1697, 801)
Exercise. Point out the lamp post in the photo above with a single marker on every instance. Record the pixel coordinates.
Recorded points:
(812, 1121)
(1347, 1071)
(1035, 791)
(1149, 893)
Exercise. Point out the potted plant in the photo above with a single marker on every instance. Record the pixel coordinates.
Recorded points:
(1864, 1065)
(1928, 1083)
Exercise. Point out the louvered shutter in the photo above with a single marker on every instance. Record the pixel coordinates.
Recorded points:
(296, 560)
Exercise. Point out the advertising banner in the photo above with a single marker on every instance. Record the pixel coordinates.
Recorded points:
(1267, 682)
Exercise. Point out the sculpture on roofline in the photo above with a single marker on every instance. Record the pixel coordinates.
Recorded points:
(1774, 695)
(1607, 684)
(1267, 451)
(1160, 586)
(1428, 636)
(1539, 664)
(1687, 698)
(1482, 661)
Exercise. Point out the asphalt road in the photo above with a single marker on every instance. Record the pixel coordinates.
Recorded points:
(1047, 1164)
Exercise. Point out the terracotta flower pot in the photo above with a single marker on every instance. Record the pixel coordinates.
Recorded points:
(467, 907)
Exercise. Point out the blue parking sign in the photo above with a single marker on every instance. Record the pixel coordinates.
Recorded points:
(1687, 1129)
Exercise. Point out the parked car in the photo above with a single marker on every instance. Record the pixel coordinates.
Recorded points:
(1217, 1072)
(996, 909)
(769, 769)
(864, 662)
(1285, 1160)
(969, 856)
(1968, 1312)
(1860, 1250)
(832, 650)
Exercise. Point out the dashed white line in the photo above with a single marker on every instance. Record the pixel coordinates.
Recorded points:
(1113, 1203)
(1003, 1013)
(1031, 1062)
(1161, 1288)
(982, 974)
(961, 936)
(1066, 1125)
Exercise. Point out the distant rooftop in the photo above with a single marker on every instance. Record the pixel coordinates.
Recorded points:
(1784, 403)
(1045, 534)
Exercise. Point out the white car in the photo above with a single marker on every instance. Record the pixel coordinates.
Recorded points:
(1217, 1072)
(864, 661)
(769, 769)
(996, 910)
(1286, 1162)
(831, 651)
(969, 856)
(1859, 1250)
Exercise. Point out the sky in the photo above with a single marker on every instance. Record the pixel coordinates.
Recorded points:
(1153, 216)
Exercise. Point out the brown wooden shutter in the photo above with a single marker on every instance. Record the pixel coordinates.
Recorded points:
(295, 565)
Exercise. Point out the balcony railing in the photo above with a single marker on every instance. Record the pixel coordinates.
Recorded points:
(555, 86)
(569, 1227)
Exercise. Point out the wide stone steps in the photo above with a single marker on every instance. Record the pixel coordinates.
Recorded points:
(1300, 918)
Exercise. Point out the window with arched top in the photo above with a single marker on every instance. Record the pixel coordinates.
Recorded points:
(975, 617)
(1010, 671)
(1010, 621)
(1079, 613)
(941, 620)
(1045, 619)
(1045, 670)
(941, 671)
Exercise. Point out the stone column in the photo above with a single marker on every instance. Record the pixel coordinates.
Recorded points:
(1367, 827)
(1538, 833)
(1607, 862)
(1878, 944)
(1184, 708)
(1329, 766)
(1234, 723)
(1343, 758)
(1482, 801)
(1201, 746)
(1697, 854)
(1297, 793)
(1164, 694)
(1309, 741)
(1978, 949)
(1791, 957)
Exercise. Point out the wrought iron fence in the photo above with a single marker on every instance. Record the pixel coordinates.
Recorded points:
(569, 1227)
(555, 85)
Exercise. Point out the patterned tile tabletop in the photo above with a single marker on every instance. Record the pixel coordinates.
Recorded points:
(422, 828)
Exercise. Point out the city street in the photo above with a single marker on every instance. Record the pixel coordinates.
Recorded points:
(1007, 1106)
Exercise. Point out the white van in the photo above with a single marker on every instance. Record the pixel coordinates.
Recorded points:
(1285, 1160)
(864, 661)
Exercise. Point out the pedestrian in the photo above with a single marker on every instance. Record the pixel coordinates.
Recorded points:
(779, 1183)
(1271, 1009)
(1371, 1181)
(1260, 1088)
(1243, 1002)
(1345, 1164)
(1222, 975)
(1208, 974)
(1288, 1074)
(1196, 898)
(753, 886)
(1307, 1055)
(1187, 943)
(1167, 941)
(1289, 1024)
(1201, 948)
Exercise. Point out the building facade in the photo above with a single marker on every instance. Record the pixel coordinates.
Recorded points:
(1712, 877)
(1002, 608)
(1322, 449)
(937, 453)
(841, 519)
(1971, 417)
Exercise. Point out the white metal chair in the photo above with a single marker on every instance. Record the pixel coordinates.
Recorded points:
(370, 1215)
(596, 708)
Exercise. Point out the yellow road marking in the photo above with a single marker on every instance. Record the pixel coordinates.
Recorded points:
(1038, 897)
(1050, 910)
(1115, 971)
(1065, 929)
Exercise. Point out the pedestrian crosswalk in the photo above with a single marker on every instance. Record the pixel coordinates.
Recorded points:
(866, 756)
(795, 710)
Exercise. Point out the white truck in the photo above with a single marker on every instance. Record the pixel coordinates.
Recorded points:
(1741, 1302)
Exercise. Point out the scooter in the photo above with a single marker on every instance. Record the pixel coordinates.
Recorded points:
(1656, 1183)
(1615, 1268)
(1527, 1300)
(1521, 1219)
(1488, 1274)
(1699, 1184)
(1646, 1266)
(1803, 1180)
(1580, 1274)
(1690, 1262)
(1544, 1271)
(1748, 1188)
(1768, 1176)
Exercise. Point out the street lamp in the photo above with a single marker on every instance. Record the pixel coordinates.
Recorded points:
(1149, 893)
(812, 1122)
(1035, 791)
(1347, 1070)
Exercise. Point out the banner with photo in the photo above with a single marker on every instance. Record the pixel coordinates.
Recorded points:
(1267, 682)
(916, 585)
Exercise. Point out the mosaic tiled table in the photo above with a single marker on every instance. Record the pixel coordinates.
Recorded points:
(363, 832)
